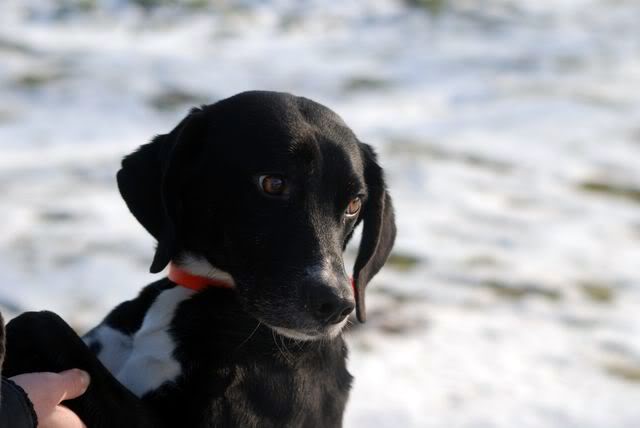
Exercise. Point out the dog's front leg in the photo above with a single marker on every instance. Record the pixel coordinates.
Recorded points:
(42, 341)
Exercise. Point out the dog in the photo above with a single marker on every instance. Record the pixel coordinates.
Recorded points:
(252, 201)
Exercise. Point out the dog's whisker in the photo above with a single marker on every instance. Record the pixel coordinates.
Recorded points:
(285, 347)
(250, 335)
(275, 341)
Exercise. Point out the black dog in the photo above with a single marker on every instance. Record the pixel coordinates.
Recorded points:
(252, 201)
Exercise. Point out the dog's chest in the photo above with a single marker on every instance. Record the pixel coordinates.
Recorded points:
(144, 360)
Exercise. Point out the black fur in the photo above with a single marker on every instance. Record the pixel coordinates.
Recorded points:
(197, 191)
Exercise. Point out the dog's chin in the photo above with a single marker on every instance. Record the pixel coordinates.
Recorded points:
(330, 332)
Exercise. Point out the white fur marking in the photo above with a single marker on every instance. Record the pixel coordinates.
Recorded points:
(151, 362)
(294, 334)
(115, 346)
(322, 271)
(331, 333)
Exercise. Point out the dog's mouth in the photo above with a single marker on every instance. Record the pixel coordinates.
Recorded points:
(330, 332)
(290, 316)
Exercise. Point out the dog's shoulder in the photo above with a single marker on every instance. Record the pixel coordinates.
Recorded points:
(127, 317)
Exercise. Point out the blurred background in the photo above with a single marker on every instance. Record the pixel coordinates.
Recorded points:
(510, 133)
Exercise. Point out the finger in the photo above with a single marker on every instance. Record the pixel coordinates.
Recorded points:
(61, 417)
(72, 383)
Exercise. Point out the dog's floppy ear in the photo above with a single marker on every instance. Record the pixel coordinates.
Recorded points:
(379, 230)
(149, 180)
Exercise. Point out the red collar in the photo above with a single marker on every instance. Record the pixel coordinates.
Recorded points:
(194, 282)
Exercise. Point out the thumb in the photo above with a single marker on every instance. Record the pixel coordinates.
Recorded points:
(72, 383)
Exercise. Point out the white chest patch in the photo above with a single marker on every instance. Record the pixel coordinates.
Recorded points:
(115, 346)
(151, 362)
(144, 361)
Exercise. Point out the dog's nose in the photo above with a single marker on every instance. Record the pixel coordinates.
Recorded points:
(328, 306)
(342, 310)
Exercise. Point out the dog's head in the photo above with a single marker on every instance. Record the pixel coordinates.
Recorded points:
(266, 189)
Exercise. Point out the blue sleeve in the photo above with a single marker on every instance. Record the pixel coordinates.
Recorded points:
(16, 410)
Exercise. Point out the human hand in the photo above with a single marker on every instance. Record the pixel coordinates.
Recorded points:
(47, 390)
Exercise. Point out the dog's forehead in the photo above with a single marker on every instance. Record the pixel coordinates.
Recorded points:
(281, 127)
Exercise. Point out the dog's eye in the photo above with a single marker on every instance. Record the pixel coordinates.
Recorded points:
(274, 185)
(354, 207)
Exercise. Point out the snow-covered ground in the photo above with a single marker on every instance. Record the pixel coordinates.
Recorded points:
(510, 132)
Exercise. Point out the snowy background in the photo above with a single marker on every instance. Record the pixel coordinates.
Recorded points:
(510, 133)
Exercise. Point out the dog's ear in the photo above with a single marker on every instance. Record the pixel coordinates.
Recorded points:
(149, 182)
(379, 230)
